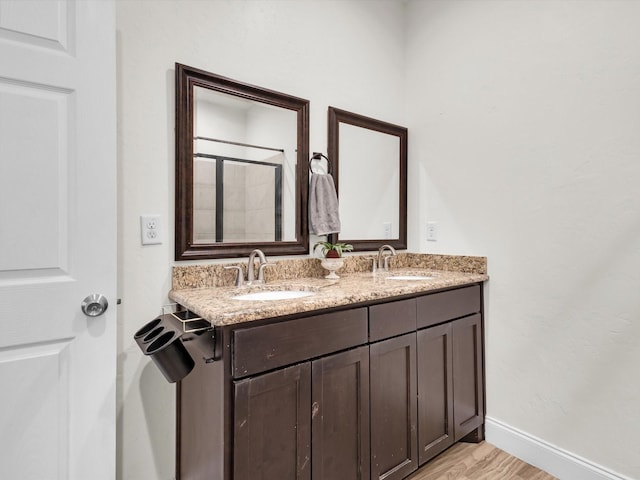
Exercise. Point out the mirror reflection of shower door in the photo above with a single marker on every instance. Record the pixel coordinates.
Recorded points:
(239, 201)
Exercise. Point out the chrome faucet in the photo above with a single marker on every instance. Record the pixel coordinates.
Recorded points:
(251, 279)
(250, 267)
(383, 261)
(239, 274)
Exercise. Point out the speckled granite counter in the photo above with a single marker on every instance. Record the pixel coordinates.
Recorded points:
(204, 289)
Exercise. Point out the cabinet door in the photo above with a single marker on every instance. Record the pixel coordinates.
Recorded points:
(467, 375)
(340, 416)
(272, 425)
(394, 448)
(435, 391)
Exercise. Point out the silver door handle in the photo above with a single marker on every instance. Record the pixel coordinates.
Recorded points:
(94, 305)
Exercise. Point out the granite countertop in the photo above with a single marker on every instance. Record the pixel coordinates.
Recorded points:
(216, 304)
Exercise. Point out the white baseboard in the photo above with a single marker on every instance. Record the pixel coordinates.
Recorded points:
(551, 459)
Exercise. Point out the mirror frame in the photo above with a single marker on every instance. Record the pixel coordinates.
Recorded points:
(185, 249)
(337, 116)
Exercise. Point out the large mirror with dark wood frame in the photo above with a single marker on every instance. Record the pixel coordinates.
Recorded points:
(241, 168)
(369, 164)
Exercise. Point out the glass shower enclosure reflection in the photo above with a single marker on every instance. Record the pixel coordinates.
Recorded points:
(240, 177)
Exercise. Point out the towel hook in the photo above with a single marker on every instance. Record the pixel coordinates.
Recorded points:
(319, 156)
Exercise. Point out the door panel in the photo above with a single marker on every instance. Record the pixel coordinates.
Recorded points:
(467, 379)
(340, 416)
(37, 425)
(394, 450)
(41, 23)
(272, 432)
(57, 238)
(435, 391)
(34, 127)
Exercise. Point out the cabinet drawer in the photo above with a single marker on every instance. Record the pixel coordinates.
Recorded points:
(267, 347)
(444, 306)
(391, 319)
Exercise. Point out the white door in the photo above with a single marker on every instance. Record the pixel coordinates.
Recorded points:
(57, 239)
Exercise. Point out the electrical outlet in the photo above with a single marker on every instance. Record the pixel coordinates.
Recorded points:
(432, 232)
(387, 229)
(150, 231)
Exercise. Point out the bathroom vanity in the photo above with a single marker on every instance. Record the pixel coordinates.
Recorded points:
(369, 378)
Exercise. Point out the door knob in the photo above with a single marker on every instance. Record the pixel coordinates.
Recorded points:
(94, 305)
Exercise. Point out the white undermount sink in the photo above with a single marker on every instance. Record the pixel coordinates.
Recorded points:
(409, 278)
(274, 295)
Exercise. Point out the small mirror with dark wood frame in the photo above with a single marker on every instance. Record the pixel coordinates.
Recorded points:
(369, 164)
(241, 168)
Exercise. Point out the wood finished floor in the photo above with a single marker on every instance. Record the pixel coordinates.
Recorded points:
(482, 461)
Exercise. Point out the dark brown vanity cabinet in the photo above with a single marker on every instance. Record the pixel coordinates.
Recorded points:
(394, 441)
(435, 391)
(394, 447)
(340, 416)
(450, 369)
(366, 393)
(310, 420)
(272, 427)
(279, 427)
(426, 385)
(468, 384)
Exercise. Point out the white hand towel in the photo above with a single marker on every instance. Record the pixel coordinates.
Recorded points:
(324, 216)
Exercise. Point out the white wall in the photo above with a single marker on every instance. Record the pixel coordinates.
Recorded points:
(524, 121)
(347, 54)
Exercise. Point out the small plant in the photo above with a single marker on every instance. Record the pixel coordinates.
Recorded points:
(332, 250)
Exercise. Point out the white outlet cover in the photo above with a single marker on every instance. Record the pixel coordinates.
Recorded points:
(432, 232)
(150, 230)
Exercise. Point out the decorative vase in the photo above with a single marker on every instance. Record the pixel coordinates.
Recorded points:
(332, 264)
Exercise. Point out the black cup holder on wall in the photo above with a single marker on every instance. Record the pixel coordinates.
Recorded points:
(161, 340)
(148, 328)
(152, 334)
